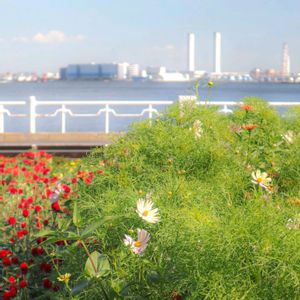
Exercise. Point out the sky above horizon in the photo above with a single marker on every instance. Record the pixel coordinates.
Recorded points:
(45, 35)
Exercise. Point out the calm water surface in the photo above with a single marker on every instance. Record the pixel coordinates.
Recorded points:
(94, 90)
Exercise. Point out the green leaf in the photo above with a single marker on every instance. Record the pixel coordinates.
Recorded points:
(100, 266)
(63, 224)
(62, 236)
(8, 179)
(45, 232)
(80, 287)
(121, 287)
(91, 228)
(153, 277)
(76, 215)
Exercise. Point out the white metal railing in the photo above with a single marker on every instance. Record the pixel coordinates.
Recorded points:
(225, 104)
(4, 110)
(107, 108)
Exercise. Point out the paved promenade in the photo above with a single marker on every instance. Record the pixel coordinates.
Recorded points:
(63, 143)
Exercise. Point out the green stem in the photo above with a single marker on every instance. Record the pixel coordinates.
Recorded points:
(93, 266)
(207, 95)
(89, 255)
(248, 147)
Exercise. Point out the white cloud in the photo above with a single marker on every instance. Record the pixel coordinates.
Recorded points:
(20, 39)
(79, 37)
(52, 36)
(55, 36)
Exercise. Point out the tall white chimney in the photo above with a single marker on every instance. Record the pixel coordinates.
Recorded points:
(191, 52)
(217, 53)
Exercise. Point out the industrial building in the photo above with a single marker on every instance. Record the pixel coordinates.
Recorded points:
(89, 71)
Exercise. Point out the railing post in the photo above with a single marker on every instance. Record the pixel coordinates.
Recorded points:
(106, 118)
(32, 114)
(1, 118)
(150, 114)
(63, 119)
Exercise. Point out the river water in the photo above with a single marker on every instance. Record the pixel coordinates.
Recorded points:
(122, 90)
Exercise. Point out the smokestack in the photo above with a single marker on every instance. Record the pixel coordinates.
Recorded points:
(217, 53)
(191, 52)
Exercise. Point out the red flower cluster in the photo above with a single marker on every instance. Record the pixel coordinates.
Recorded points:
(30, 195)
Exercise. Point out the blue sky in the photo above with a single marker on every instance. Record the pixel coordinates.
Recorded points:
(44, 35)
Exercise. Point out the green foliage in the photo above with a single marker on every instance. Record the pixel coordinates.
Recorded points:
(97, 265)
(221, 237)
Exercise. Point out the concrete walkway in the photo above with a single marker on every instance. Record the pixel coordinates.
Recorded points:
(76, 143)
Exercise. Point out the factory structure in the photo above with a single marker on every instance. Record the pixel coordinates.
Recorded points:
(286, 63)
(127, 71)
(133, 71)
(217, 53)
(191, 52)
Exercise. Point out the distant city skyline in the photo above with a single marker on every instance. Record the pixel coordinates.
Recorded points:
(43, 36)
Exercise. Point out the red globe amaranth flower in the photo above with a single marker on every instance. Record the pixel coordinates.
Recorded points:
(5, 253)
(13, 291)
(23, 225)
(24, 267)
(40, 240)
(23, 284)
(247, 107)
(37, 208)
(6, 261)
(27, 195)
(37, 251)
(12, 221)
(15, 260)
(47, 284)
(11, 279)
(6, 295)
(39, 225)
(55, 206)
(20, 234)
(66, 188)
(45, 267)
(249, 127)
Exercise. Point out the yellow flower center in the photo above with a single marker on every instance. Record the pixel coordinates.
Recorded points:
(259, 180)
(138, 244)
(145, 213)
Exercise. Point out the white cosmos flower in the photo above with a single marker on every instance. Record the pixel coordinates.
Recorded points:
(198, 129)
(261, 178)
(145, 211)
(293, 224)
(289, 137)
(138, 246)
(128, 241)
